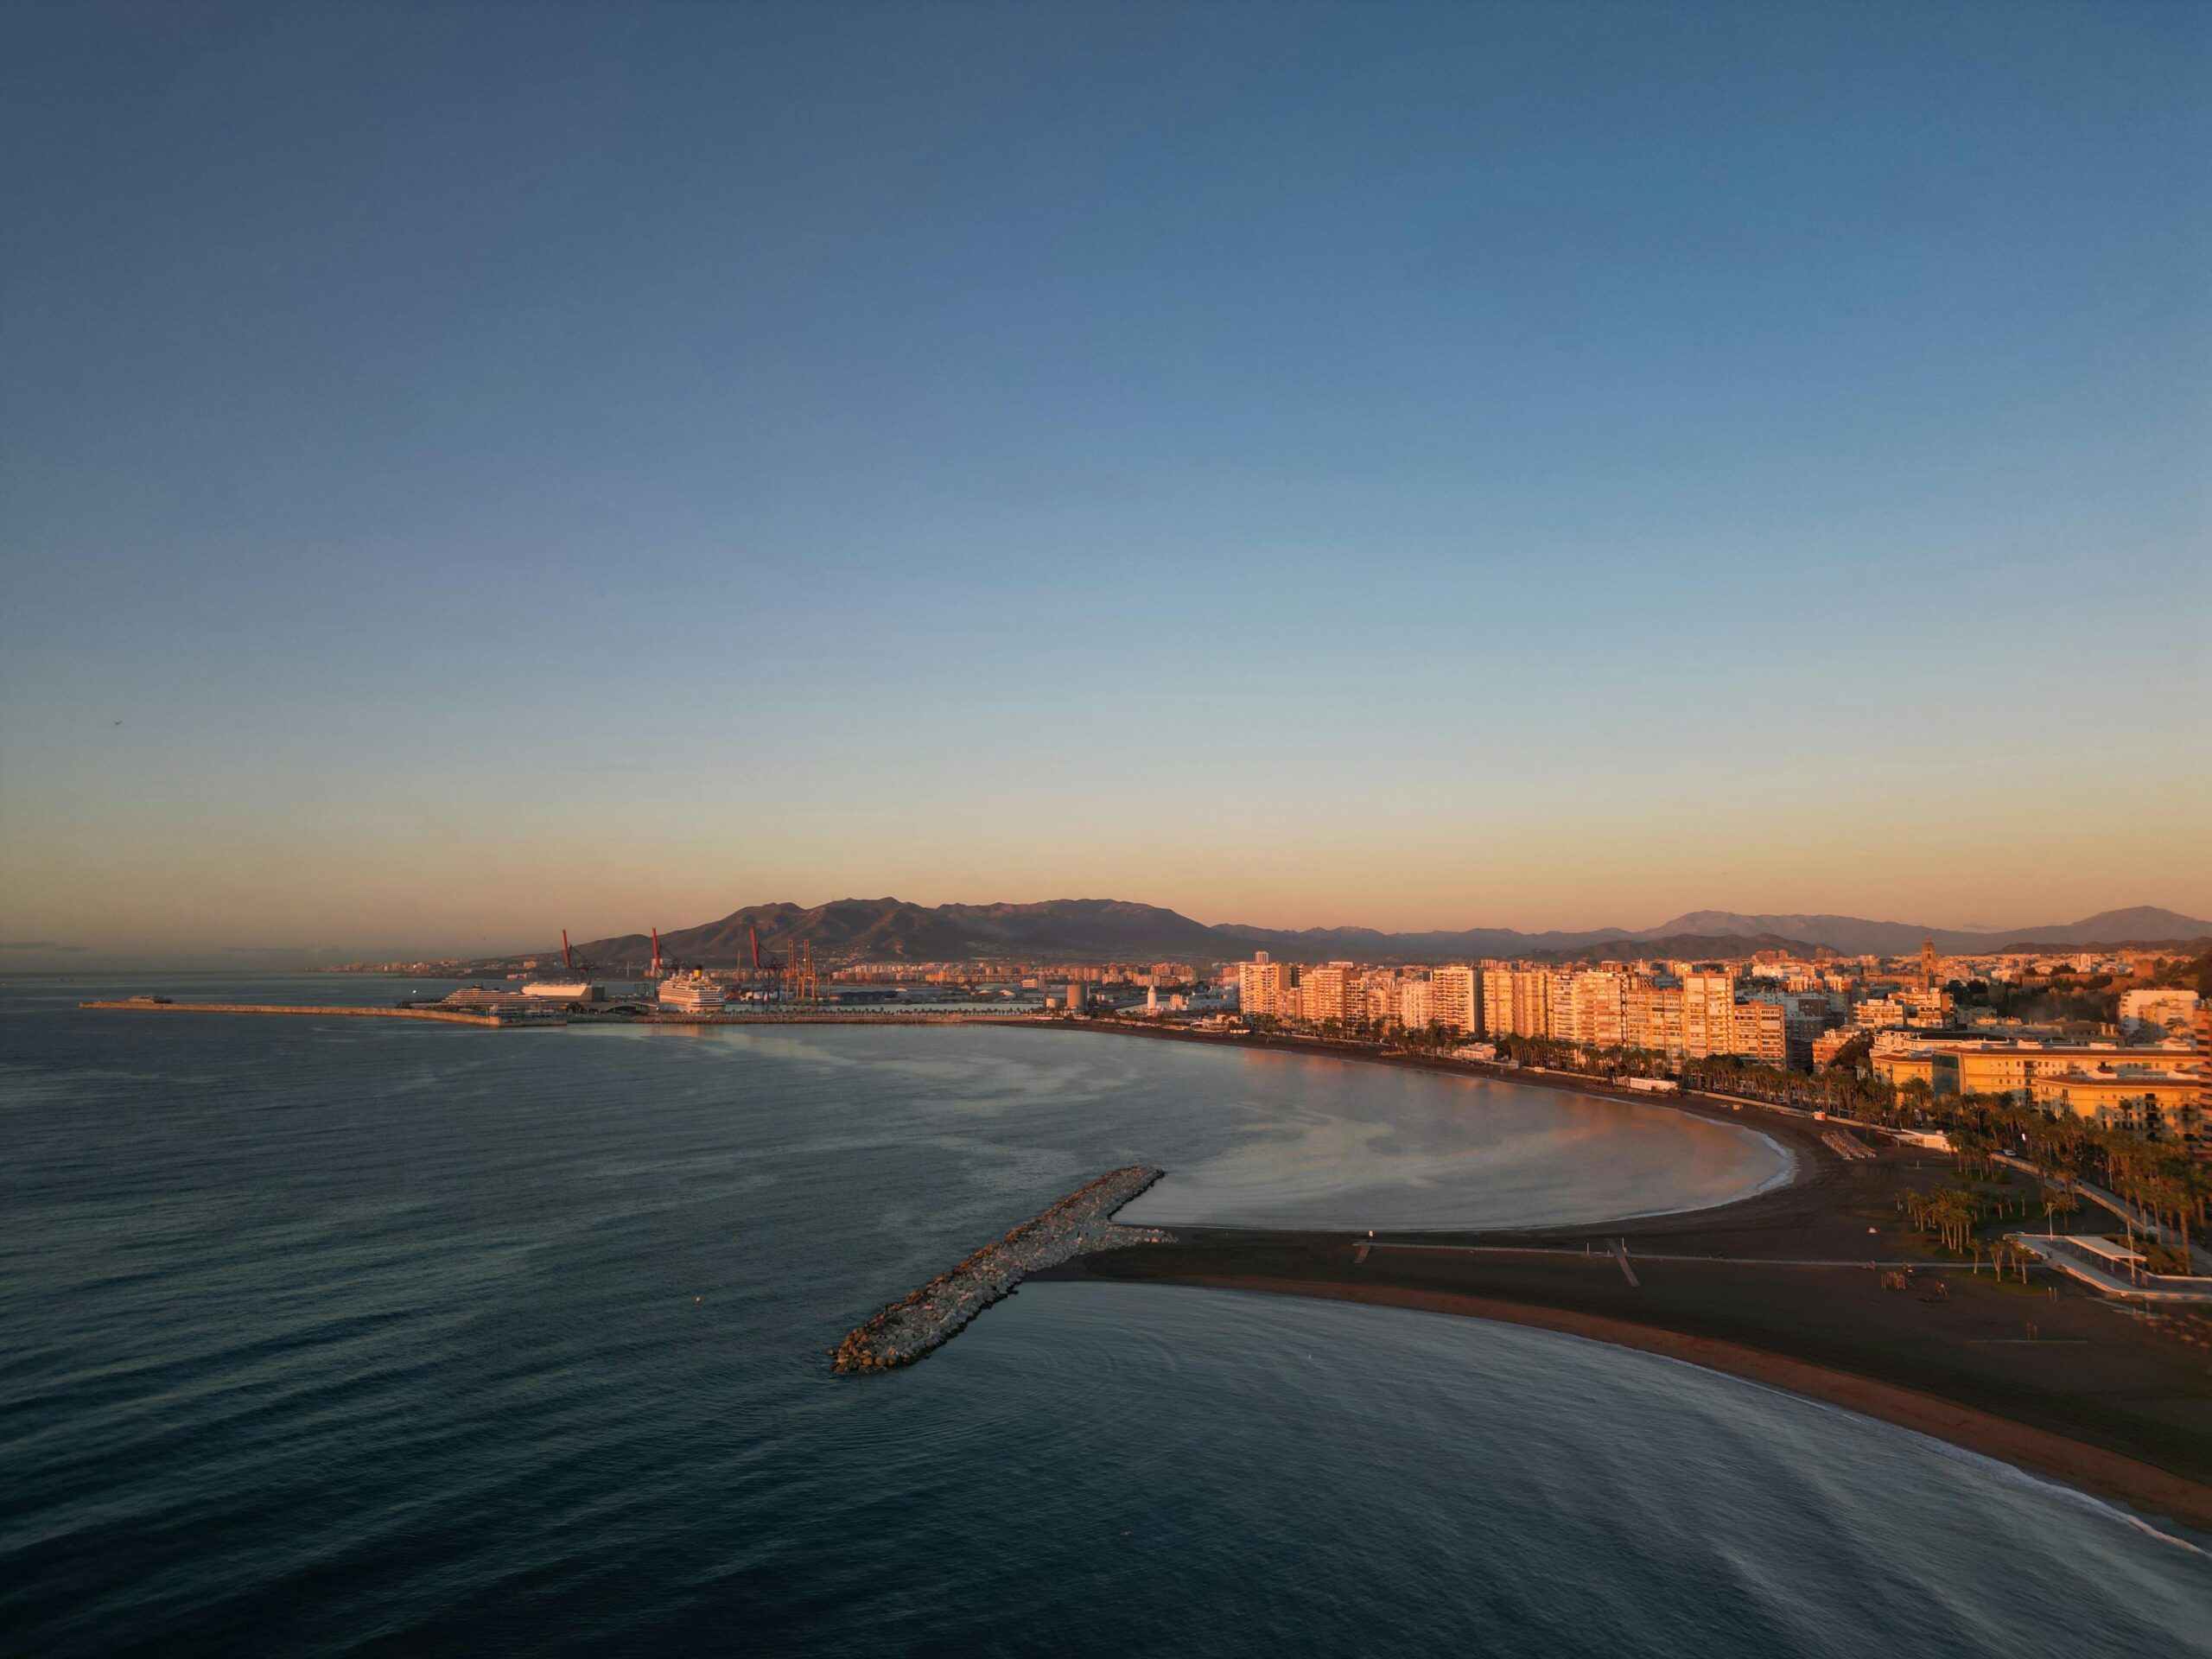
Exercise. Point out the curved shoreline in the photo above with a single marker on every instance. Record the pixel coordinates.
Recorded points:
(1803, 1151)
(1777, 1287)
(2107, 1475)
(1761, 1286)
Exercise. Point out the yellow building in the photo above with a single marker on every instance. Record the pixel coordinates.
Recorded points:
(1497, 1002)
(1331, 991)
(1978, 1067)
(2125, 1096)
(1899, 1066)
(1518, 1003)
(2013, 1068)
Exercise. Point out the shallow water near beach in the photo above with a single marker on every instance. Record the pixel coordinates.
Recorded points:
(323, 1335)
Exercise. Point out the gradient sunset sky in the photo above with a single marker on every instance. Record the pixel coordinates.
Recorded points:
(470, 471)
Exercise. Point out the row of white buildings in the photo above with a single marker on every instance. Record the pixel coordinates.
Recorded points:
(1683, 1015)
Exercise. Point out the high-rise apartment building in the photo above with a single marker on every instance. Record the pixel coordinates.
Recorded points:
(1759, 1031)
(1496, 1010)
(1708, 1014)
(1805, 1015)
(1590, 1008)
(1519, 1002)
(1379, 997)
(1331, 991)
(1267, 989)
(1652, 1013)
(1455, 997)
(1416, 1004)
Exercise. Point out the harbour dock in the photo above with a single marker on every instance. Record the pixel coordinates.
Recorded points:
(554, 1014)
(444, 1016)
(927, 1319)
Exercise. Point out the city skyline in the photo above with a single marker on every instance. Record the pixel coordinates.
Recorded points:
(1541, 467)
(1844, 934)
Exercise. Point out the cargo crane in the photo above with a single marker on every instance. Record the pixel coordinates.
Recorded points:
(771, 967)
(575, 986)
(573, 960)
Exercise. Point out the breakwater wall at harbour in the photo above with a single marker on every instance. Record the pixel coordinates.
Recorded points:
(555, 1014)
(927, 1319)
(444, 1016)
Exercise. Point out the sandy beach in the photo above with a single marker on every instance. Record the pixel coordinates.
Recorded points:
(1786, 1288)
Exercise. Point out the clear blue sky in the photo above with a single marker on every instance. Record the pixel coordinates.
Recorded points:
(510, 467)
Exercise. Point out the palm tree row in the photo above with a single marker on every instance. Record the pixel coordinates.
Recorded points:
(2158, 1176)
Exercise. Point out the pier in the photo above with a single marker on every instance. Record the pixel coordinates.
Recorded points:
(1079, 1224)
(444, 1016)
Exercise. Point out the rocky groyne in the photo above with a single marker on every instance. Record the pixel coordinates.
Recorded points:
(1080, 1222)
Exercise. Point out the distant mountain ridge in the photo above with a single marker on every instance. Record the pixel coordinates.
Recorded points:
(2137, 924)
(895, 930)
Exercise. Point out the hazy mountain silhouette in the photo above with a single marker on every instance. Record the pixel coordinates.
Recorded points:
(894, 929)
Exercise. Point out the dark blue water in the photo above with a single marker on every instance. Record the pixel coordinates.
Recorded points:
(329, 1336)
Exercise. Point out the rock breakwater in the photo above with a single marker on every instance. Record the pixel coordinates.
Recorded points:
(1080, 1222)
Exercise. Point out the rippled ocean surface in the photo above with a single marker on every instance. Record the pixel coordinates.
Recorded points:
(329, 1336)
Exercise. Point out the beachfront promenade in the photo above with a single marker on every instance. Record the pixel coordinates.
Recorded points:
(2067, 1254)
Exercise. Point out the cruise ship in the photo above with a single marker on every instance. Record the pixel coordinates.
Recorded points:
(692, 992)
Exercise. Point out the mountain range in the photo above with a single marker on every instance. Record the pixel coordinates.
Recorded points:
(1092, 928)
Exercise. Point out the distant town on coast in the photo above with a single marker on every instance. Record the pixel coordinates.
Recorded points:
(2100, 1020)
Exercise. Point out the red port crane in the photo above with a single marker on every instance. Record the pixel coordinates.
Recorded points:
(771, 967)
(569, 959)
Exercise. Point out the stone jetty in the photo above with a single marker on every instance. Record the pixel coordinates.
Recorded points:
(1080, 1222)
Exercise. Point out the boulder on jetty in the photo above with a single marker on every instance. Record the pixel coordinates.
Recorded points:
(1079, 1223)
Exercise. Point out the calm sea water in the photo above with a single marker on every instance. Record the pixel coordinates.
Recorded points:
(328, 1336)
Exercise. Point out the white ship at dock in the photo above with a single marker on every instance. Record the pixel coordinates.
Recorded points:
(691, 991)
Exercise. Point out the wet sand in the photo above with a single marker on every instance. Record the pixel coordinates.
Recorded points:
(1776, 1287)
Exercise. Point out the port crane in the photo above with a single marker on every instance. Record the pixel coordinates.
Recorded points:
(804, 984)
(795, 976)
(771, 967)
(573, 960)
